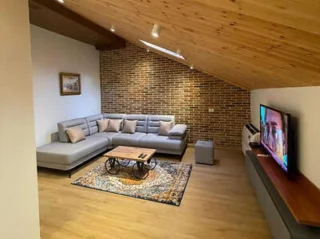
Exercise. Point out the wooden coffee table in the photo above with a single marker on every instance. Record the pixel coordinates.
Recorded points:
(122, 155)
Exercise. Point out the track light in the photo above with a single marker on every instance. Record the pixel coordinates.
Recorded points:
(148, 50)
(155, 31)
(60, 1)
(158, 48)
(113, 29)
(191, 67)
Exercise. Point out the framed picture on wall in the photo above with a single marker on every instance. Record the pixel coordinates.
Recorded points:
(70, 84)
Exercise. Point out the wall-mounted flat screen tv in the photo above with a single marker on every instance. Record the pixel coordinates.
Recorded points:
(276, 136)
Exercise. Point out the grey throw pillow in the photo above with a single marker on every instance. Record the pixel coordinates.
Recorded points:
(165, 127)
(130, 126)
(114, 125)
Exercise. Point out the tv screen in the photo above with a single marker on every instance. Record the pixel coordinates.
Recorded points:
(275, 135)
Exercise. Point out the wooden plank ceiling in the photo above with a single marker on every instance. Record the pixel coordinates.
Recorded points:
(55, 17)
(250, 43)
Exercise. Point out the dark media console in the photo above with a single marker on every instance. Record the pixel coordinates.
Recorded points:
(291, 207)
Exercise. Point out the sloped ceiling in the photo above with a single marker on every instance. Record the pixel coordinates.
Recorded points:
(250, 43)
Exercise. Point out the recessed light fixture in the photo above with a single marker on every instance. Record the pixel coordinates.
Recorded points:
(155, 31)
(60, 1)
(112, 28)
(191, 67)
(158, 48)
(148, 50)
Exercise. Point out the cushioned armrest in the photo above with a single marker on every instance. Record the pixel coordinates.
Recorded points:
(178, 131)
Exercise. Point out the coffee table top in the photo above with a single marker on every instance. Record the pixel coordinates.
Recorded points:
(130, 153)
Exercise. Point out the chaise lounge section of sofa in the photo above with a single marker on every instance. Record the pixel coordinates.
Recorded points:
(63, 155)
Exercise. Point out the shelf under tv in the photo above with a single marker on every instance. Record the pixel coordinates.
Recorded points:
(300, 195)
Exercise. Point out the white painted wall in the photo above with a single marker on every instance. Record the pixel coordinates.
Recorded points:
(303, 103)
(52, 54)
(19, 210)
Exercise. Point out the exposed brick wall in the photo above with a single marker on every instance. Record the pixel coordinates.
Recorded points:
(134, 81)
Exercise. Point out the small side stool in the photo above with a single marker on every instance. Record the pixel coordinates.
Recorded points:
(204, 152)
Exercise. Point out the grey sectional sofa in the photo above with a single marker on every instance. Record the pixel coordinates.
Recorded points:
(64, 155)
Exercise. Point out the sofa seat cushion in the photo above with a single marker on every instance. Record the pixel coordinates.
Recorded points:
(109, 135)
(127, 139)
(161, 142)
(68, 153)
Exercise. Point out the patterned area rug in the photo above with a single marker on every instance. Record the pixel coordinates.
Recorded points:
(166, 183)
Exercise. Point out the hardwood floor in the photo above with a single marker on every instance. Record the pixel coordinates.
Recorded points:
(218, 203)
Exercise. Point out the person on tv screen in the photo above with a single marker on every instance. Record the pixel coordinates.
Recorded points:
(274, 134)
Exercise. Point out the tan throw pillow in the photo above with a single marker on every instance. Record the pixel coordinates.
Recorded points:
(102, 125)
(114, 125)
(75, 134)
(164, 128)
(130, 126)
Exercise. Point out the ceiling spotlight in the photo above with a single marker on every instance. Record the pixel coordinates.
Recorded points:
(148, 50)
(113, 29)
(191, 67)
(155, 31)
(60, 1)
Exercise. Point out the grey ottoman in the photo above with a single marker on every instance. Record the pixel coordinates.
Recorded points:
(204, 152)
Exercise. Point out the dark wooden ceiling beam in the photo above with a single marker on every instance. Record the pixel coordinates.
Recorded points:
(53, 16)
(112, 46)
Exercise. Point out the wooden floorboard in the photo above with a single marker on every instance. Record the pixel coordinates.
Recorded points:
(218, 203)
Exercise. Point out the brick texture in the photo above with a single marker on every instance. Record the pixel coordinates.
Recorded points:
(134, 81)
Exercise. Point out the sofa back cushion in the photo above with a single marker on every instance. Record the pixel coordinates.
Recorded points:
(93, 124)
(154, 122)
(142, 121)
(114, 116)
(62, 126)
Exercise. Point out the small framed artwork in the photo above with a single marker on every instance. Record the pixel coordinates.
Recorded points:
(70, 84)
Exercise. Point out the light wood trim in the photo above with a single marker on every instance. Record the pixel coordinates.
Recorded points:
(252, 44)
(300, 195)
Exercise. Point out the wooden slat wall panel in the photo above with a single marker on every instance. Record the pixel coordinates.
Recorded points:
(253, 44)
